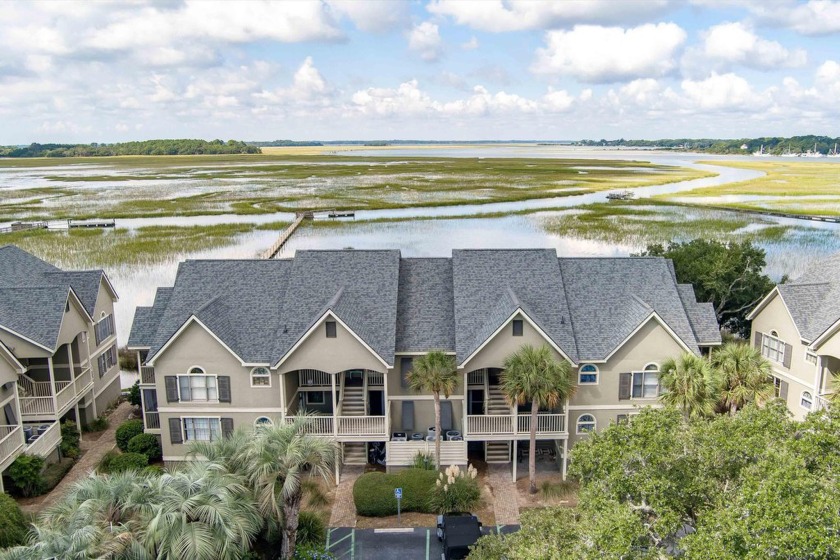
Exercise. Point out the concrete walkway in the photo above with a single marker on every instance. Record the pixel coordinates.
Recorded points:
(344, 509)
(505, 494)
(94, 452)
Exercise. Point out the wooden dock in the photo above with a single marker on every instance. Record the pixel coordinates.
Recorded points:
(60, 225)
(756, 212)
(287, 233)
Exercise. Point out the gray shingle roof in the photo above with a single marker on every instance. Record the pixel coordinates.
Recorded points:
(425, 307)
(490, 285)
(31, 283)
(610, 297)
(813, 307)
(260, 309)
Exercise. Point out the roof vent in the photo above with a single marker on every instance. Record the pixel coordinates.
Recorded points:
(562, 320)
(285, 329)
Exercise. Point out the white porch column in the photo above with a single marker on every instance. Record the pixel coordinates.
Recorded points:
(52, 382)
(78, 420)
(387, 405)
(71, 366)
(818, 375)
(281, 379)
(335, 406)
(339, 458)
(515, 449)
(464, 406)
(565, 456)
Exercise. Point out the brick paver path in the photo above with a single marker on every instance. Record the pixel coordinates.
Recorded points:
(344, 510)
(94, 452)
(505, 494)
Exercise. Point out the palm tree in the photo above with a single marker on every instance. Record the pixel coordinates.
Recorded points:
(435, 372)
(690, 384)
(744, 375)
(275, 462)
(534, 375)
(200, 511)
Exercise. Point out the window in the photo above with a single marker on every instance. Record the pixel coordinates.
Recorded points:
(646, 383)
(772, 348)
(811, 358)
(330, 326)
(314, 397)
(104, 328)
(517, 327)
(202, 429)
(260, 377)
(588, 375)
(263, 421)
(107, 360)
(197, 386)
(807, 400)
(585, 423)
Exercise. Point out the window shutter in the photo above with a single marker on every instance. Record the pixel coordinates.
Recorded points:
(175, 431)
(406, 365)
(625, 380)
(758, 340)
(224, 388)
(227, 427)
(783, 390)
(621, 419)
(788, 353)
(171, 383)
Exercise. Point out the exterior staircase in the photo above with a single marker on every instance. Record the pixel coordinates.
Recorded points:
(355, 453)
(497, 452)
(353, 403)
(496, 403)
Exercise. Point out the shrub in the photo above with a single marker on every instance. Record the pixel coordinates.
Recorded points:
(25, 472)
(147, 444)
(154, 470)
(104, 465)
(311, 529)
(128, 359)
(312, 552)
(559, 489)
(456, 490)
(373, 493)
(54, 472)
(315, 496)
(424, 461)
(13, 526)
(97, 425)
(69, 439)
(133, 396)
(128, 461)
(126, 431)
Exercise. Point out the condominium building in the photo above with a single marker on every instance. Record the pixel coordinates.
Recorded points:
(242, 343)
(796, 328)
(58, 351)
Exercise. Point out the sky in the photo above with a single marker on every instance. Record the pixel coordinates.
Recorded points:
(418, 69)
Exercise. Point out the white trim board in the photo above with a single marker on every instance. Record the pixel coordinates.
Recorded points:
(180, 331)
(216, 410)
(612, 406)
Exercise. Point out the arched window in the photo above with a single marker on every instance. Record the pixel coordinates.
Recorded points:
(585, 424)
(646, 383)
(807, 400)
(197, 386)
(588, 375)
(197, 370)
(263, 421)
(260, 377)
(772, 347)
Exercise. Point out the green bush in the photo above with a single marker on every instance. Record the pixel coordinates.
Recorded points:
(311, 529)
(69, 439)
(312, 552)
(128, 359)
(97, 425)
(147, 444)
(104, 465)
(25, 472)
(126, 431)
(13, 526)
(133, 397)
(373, 493)
(128, 461)
(54, 472)
(424, 461)
(456, 490)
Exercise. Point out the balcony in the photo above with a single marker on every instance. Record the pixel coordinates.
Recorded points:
(44, 444)
(151, 420)
(402, 453)
(11, 443)
(38, 402)
(147, 375)
(506, 426)
(316, 425)
(361, 428)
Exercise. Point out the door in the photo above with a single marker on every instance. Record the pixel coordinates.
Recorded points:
(376, 403)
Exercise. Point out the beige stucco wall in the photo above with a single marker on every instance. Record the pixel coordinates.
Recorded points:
(424, 415)
(178, 451)
(20, 347)
(8, 373)
(74, 322)
(504, 344)
(331, 354)
(104, 304)
(603, 418)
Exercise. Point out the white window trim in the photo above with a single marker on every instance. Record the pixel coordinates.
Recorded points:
(774, 337)
(184, 429)
(597, 374)
(808, 354)
(644, 371)
(802, 397)
(251, 378)
(586, 432)
(192, 400)
(258, 424)
(306, 397)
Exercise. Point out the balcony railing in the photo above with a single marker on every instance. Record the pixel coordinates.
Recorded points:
(39, 398)
(11, 441)
(46, 442)
(476, 377)
(402, 453)
(361, 426)
(503, 425)
(313, 378)
(147, 375)
(316, 425)
(375, 379)
(152, 420)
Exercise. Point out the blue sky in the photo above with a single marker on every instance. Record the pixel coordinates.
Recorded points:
(425, 69)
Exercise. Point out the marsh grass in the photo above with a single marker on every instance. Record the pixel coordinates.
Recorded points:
(554, 490)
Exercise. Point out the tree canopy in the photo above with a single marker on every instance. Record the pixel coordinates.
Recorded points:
(730, 275)
(167, 147)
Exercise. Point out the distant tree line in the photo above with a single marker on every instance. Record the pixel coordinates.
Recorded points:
(284, 143)
(772, 145)
(145, 148)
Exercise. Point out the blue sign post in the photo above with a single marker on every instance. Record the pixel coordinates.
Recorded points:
(398, 496)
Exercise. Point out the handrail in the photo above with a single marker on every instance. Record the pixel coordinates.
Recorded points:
(46, 442)
(8, 445)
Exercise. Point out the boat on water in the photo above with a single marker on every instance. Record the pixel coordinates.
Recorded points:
(788, 153)
(814, 154)
(761, 152)
(834, 153)
(620, 195)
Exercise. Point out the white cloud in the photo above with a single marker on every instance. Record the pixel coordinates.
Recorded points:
(608, 54)
(374, 15)
(424, 39)
(308, 88)
(723, 92)
(518, 15)
(815, 17)
(470, 45)
(737, 43)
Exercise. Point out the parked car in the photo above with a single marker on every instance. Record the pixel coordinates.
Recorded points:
(457, 531)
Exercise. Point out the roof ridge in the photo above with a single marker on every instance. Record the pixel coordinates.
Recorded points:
(568, 308)
(642, 302)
